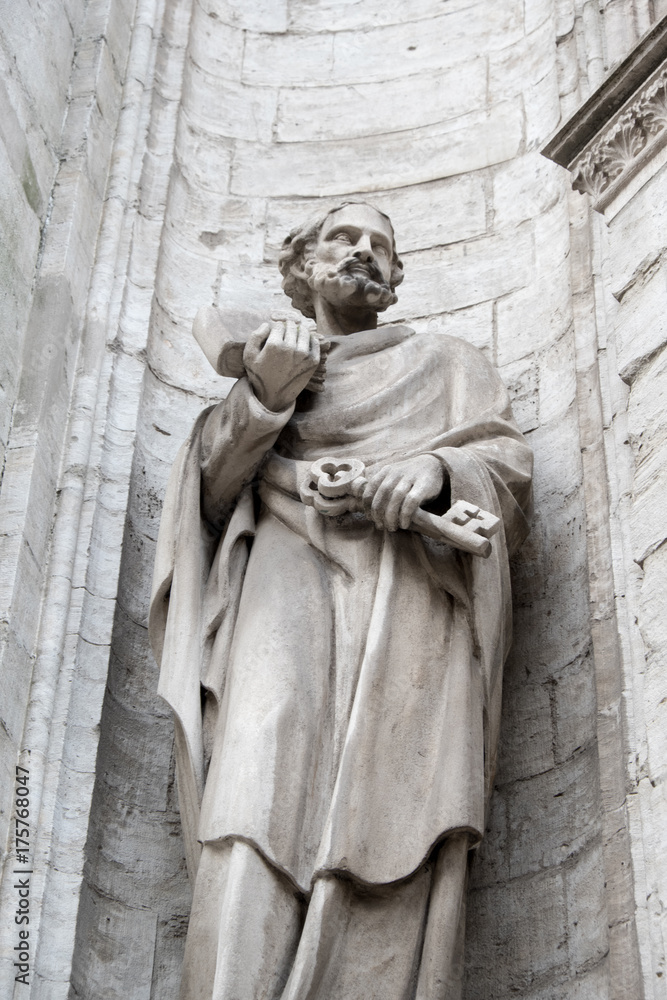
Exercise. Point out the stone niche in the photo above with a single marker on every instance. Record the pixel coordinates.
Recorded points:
(615, 147)
(156, 152)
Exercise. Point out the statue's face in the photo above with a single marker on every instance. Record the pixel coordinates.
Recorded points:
(361, 233)
(350, 266)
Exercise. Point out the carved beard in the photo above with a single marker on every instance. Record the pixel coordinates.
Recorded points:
(350, 284)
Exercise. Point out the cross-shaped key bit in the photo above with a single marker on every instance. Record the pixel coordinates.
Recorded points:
(467, 514)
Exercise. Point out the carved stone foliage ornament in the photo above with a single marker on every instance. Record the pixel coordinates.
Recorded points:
(619, 132)
(637, 133)
(331, 613)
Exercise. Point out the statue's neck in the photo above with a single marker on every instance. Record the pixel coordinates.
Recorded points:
(332, 322)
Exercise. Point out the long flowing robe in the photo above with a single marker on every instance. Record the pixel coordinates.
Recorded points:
(358, 672)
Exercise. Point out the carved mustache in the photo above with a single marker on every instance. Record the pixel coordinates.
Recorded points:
(368, 267)
(358, 278)
(368, 278)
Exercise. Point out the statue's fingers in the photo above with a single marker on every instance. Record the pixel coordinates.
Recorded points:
(380, 474)
(366, 495)
(291, 333)
(277, 334)
(257, 338)
(302, 338)
(372, 484)
(394, 506)
(313, 348)
(256, 341)
(409, 507)
(384, 494)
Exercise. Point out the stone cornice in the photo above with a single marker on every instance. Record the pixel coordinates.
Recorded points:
(607, 141)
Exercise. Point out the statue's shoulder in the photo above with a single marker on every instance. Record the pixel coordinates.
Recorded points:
(445, 345)
(457, 361)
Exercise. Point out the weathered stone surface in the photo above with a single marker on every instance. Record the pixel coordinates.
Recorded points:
(588, 936)
(137, 856)
(132, 671)
(419, 46)
(112, 925)
(539, 183)
(226, 228)
(200, 271)
(572, 780)
(228, 108)
(408, 157)
(521, 378)
(133, 732)
(210, 169)
(522, 945)
(305, 61)
(647, 415)
(350, 15)
(637, 235)
(474, 324)
(32, 161)
(41, 42)
(214, 45)
(641, 322)
(463, 274)
(266, 16)
(382, 53)
(373, 109)
(529, 68)
(285, 107)
(557, 377)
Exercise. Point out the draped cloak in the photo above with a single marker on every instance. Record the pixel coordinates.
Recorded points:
(357, 671)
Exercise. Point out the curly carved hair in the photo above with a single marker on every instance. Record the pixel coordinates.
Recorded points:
(301, 241)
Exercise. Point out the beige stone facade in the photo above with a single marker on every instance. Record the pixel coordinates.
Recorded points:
(153, 155)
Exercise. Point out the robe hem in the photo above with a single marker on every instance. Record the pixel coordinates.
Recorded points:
(475, 838)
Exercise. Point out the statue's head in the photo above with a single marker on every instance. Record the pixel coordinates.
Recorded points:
(347, 256)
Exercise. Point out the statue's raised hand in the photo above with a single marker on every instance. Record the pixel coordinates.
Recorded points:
(394, 492)
(280, 358)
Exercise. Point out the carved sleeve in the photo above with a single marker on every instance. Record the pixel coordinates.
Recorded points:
(484, 429)
(237, 434)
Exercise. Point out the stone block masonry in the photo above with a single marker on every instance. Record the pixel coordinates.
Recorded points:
(153, 155)
(294, 135)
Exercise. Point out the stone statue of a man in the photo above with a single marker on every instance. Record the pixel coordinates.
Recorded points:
(342, 674)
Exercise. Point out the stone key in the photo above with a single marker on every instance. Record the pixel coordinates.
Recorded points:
(333, 487)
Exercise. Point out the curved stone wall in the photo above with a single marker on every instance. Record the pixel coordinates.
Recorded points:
(434, 111)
